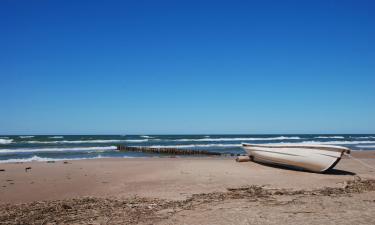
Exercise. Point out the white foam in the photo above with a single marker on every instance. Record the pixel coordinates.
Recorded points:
(26, 150)
(193, 146)
(42, 159)
(333, 142)
(240, 139)
(84, 141)
(330, 137)
(5, 141)
(140, 140)
(56, 137)
(365, 146)
(367, 137)
(23, 137)
(146, 136)
(34, 158)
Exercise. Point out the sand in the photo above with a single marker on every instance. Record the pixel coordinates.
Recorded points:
(169, 191)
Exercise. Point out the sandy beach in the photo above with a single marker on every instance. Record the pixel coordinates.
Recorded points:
(208, 190)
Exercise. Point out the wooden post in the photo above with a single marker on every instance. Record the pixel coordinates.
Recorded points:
(173, 151)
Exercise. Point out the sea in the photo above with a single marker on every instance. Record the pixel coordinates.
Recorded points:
(26, 148)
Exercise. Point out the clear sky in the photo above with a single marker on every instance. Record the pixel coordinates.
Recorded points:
(168, 67)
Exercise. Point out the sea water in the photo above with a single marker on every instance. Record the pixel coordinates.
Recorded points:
(24, 148)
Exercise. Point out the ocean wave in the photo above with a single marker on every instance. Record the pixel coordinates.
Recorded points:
(43, 159)
(193, 146)
(56, 137)
(140, 140)
(5, 141)
(84, 141)
(24, 137)
(240, 139)
(26, 150)
(332, 142)
(146, 136)
(365, 146)
(330, 137)
(367, 137)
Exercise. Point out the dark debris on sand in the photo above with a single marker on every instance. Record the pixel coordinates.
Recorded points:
(349, 187)
(137, 210)
(86, 210)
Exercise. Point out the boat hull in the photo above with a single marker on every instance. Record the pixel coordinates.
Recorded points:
(315, 158)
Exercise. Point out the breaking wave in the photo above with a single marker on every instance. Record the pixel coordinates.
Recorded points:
(146, 136)
(5, 141)
(84, 141)
(330, 137)
(140, 140)
(241, 139)
(365, 146)
(194, 146)
(44, 159)
(333, 142)
(56, 137)
(26, 150)
(368, 137)
(24, 137)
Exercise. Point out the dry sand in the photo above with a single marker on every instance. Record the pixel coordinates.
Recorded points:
(169, 191)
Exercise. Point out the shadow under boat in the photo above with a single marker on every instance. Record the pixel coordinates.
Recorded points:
(331, 171)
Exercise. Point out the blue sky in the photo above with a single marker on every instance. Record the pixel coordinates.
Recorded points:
(168, 67)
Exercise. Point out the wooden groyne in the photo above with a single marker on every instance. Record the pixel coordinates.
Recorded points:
(170, 151)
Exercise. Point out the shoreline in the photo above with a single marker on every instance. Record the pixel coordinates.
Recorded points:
(355, 153)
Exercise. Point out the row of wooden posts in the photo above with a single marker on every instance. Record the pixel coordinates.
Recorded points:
(170, 151)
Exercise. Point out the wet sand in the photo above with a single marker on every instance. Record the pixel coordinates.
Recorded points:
(178, 179)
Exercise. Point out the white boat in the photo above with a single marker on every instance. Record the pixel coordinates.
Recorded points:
(315, 158)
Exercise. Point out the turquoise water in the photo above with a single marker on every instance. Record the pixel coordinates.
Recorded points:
(23, 148)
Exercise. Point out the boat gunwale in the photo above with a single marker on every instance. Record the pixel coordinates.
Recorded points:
(306, 146)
